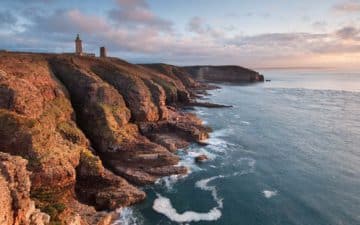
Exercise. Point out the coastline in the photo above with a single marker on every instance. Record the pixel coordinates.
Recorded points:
(95, 120)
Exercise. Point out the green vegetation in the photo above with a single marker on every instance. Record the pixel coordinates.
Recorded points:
(69, 131)
(91, 163)
(170, 89)
(46, 201)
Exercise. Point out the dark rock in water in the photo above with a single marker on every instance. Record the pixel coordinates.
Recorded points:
(208, 105)
(201, 158)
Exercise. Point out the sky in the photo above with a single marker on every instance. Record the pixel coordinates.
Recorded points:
(251, 33)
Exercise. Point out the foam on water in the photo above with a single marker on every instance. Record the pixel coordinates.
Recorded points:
(188, 161)
(247, 162)
(269, 194)
(128, 217)
(203, 185)
(169, 181)
(163, 205)
(219, 145)
(221, 133)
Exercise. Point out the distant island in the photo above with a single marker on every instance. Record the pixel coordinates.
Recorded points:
(79, 133)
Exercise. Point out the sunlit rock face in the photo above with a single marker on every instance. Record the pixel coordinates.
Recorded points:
(17, 207)
(69, 116)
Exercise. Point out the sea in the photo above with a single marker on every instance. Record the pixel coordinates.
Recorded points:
(286, 153)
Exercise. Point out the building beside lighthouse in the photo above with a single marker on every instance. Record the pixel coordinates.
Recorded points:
(102, 52)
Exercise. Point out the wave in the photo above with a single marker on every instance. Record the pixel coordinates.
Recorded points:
(269, 194)
(245, 122)
(163, 205)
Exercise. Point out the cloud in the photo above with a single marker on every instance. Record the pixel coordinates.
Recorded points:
(67, 21)
(319, 25)
(133, 3)
(7, 19)
(197, 25)
(136, 13)
(348, 32)
(347, 7)
(132, 30)
(62, 25)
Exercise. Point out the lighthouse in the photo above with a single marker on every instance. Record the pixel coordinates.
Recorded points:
(78, 46)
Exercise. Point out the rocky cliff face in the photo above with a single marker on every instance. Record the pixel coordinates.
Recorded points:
(89, 129)
(232, 74)
(16, 205)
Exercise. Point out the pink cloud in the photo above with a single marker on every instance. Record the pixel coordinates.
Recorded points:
(348, 6)
(136, 13)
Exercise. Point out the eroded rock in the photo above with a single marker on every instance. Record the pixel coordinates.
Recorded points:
(17, 207)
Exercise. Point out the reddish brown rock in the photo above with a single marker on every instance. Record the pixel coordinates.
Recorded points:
(53, 106)
(43, 131)
(16, 205)
(119, 143)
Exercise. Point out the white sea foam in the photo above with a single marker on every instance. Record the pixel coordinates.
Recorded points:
(216, 142)
(249, 164)
(201, 112)
(163, 205)
(245, 122)
(169, 181)
(203, 185)
(269, 194)
(128, 217)
(188, 161)
(222, 132)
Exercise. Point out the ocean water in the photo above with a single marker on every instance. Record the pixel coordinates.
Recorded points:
(288, 152)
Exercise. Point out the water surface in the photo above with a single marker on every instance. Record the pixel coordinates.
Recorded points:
(288, 152)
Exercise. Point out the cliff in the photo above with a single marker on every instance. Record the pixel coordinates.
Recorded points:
(231, 74)
(79, 135)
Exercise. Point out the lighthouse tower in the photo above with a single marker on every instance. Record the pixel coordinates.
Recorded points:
(78, 46)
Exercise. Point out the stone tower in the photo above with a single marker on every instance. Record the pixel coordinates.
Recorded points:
(78, 45)
(102, 52)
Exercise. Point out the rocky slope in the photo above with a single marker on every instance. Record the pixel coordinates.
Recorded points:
(78, 133)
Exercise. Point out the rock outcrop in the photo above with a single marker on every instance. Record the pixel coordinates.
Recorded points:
(16, 205)
(231, 74)
(201, 158)
(38, 123)
(90, 129)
